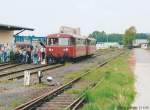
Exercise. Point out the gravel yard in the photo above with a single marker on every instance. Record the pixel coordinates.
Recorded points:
(15, 93)
(17, 68)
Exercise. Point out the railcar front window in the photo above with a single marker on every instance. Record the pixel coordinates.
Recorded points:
(64, 41)
(52, 41)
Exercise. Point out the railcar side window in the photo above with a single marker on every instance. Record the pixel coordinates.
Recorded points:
(92, 42)
(80, 42)
(72, 41)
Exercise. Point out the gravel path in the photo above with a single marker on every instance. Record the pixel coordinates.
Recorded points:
(142, 72)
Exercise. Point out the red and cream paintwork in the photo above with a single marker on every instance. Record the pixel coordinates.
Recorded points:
(73, 50)
(91, 46)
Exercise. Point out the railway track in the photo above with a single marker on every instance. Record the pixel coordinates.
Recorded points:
(3, 64)
(8, 66)
(19, 74)
(58, 99)
(80, 101)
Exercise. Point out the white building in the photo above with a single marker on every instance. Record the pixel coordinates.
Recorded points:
(139, 42)
(144, 46)
(105, 45)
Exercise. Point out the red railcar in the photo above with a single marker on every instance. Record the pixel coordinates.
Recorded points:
(66, 46)
(91, 46)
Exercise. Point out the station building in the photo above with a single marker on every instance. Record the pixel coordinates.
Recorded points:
(7, 33)
(30, 40)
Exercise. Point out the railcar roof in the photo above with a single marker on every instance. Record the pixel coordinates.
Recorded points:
(66, 36)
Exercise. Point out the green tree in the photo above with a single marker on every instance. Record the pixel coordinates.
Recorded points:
(129, 36)
(99, 36)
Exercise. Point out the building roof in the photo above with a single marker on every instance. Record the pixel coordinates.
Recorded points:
(12, 28)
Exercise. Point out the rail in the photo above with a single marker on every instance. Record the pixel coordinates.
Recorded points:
(40, 100)
(11, 66)
(15, 74)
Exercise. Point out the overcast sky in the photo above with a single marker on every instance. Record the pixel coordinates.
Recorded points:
(46, 16)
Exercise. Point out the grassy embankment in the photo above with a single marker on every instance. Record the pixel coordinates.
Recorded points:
(116, 92)
(117, 89)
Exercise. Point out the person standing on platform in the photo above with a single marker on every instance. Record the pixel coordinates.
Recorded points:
(35, 56)
(0, 55)
(32, 53)
(39, 55)
(20, 55)
(43, 55)
(7, 53)
(24, 56)
(2, 49)
(17, 55)
(29, 55)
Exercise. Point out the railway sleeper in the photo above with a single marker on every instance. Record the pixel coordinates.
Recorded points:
(58, 103)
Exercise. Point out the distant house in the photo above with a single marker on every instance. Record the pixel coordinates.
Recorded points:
(105, 45)
(139, 42)
(144, 45)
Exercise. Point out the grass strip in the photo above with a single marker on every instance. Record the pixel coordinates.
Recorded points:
(116, 92)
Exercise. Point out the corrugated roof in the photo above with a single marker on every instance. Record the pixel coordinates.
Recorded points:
(11, 27)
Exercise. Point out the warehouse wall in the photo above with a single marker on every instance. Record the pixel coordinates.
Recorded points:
(6, 37)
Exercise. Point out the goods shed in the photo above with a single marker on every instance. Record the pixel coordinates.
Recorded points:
(7, 33)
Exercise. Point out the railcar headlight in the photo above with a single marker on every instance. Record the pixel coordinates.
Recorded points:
(66, 49)
(50, 49)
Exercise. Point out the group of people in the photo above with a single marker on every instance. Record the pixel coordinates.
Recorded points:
(22, 54)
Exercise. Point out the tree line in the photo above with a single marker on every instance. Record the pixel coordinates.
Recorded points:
(127, 38)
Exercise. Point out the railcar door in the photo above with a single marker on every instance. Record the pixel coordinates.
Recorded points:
(80, 47)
